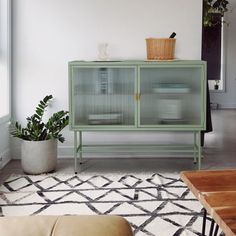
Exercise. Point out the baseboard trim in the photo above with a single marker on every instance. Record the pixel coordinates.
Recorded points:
(226, 105)
(67, 152)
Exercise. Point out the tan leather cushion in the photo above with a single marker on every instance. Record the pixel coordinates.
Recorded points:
(64, 226)
(27, 225)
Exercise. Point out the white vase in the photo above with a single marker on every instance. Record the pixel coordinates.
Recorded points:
(39, 157)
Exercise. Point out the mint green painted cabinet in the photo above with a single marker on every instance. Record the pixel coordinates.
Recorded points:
(135, 96)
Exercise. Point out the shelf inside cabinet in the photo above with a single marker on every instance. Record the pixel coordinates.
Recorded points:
(171, 88)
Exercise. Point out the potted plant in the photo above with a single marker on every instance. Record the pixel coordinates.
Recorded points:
(212, 8)
(216, 85)
(39, 139)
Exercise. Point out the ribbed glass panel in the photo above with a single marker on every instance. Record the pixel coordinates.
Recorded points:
(170, 96)
(104, 96)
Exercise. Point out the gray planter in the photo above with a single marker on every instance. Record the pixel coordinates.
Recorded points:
(39, 157)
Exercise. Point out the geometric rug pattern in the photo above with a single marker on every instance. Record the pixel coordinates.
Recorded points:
(158, 204)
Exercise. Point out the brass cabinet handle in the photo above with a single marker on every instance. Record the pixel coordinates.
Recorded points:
(137, 96)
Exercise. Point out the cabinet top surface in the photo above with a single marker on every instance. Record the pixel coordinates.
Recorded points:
(137, 62)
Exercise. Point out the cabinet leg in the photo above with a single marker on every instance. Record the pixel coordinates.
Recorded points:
(195, 147)
(75, 151)
(199, 150)
(81, 144)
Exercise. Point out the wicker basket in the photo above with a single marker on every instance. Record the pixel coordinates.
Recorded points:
(160, 48)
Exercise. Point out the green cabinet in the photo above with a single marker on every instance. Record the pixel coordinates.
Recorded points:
(137, 95)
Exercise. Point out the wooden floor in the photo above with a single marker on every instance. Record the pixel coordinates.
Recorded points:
(219, 153)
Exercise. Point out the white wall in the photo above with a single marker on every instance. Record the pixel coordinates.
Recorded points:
(227, 98)
(49, 33)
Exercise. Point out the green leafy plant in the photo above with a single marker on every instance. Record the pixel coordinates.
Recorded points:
(210, 7)
(36, 129)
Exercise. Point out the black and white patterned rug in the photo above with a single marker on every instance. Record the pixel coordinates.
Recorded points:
(158, 204)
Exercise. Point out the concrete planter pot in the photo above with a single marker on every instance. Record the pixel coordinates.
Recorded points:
(39, 157)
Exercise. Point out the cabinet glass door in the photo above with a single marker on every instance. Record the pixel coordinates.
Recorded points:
(171, 96)
(103, 96)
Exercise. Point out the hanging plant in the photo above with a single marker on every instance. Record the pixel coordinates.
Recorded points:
(212, 7)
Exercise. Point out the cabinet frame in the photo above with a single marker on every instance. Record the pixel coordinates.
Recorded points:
(194, 148)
